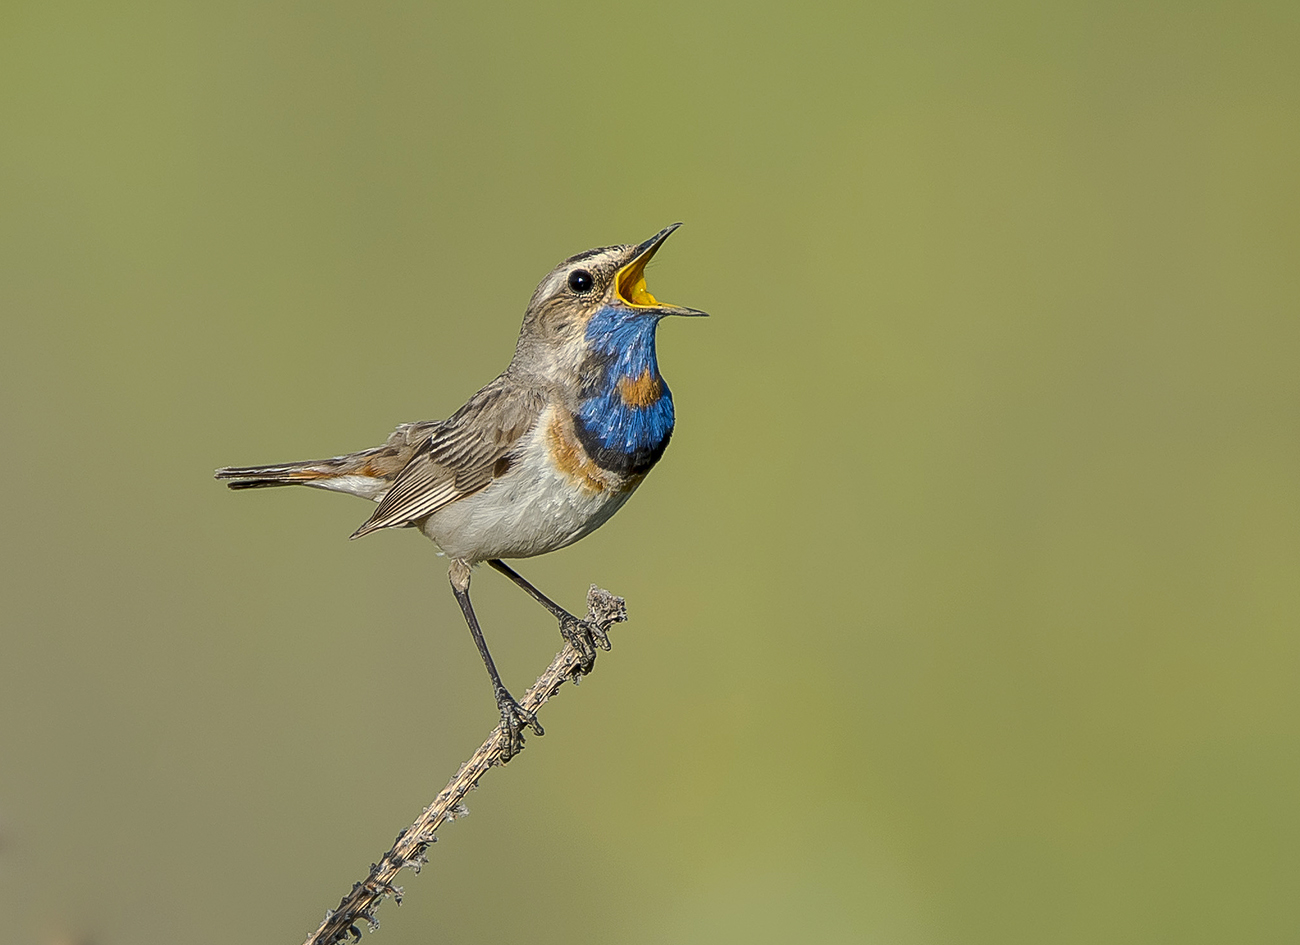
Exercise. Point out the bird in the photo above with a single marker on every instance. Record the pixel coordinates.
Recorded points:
(539, 458)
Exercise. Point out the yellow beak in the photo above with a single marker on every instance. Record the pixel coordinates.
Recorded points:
(630, 280)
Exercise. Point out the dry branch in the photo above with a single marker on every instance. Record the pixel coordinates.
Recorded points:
(603, 609)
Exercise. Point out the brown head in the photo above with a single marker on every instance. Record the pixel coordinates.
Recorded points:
(610, 281)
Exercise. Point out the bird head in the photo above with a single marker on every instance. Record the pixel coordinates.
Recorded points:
(587, 293)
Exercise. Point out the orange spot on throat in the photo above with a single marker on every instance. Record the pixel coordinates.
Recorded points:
(640, 391)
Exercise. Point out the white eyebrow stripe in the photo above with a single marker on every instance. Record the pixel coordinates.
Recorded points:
(553, 282)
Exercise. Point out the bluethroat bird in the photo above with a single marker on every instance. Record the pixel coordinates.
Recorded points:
(537, 459)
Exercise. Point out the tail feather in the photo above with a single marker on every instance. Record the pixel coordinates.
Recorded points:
(281, 474)
(367, 473)
(258, 483)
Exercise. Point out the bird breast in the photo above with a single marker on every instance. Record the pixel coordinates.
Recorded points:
(552, 495)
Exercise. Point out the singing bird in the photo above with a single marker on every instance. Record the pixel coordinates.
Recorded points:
(540, 457)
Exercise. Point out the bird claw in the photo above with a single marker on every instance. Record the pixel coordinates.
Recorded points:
(514, 719)
(584, 636)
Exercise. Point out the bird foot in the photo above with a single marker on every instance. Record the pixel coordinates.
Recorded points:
(514, 719)
(584, 636)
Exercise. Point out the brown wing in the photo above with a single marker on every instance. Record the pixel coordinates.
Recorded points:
(458, 459)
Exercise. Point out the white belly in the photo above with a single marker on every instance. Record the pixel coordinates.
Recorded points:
(537, 507)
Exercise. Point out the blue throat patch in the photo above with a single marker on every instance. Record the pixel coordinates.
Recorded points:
(625, 415)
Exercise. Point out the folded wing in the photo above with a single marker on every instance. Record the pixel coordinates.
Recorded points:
(459, 458)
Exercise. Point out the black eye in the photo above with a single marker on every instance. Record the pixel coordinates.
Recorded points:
(580, 281)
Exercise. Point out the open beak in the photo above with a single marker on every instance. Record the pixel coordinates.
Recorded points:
(631, 279)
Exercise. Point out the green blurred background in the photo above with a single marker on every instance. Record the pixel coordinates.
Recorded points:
(964, 605)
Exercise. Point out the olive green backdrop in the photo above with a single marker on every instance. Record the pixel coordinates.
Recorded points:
(964, 604)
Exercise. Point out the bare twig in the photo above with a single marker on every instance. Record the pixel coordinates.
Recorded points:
(604, 610)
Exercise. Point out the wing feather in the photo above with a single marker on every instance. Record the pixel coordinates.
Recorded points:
(458, 457)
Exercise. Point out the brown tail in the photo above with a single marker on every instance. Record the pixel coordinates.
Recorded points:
(282, 474)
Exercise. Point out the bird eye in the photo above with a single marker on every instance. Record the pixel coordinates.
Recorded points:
(580, 281)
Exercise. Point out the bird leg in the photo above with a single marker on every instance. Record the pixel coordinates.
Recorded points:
(584, 635)
(514, 717)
